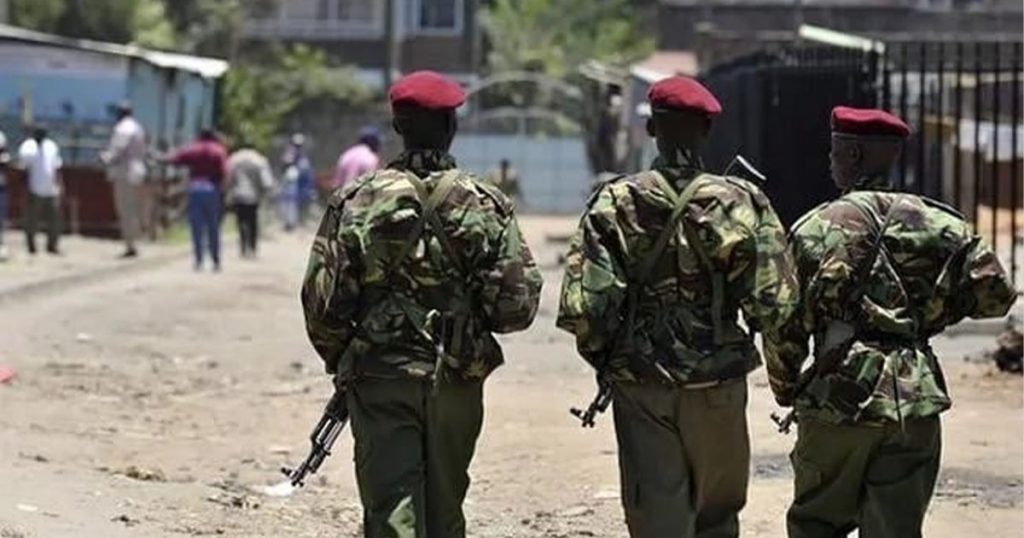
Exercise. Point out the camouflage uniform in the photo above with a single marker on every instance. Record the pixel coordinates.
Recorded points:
(406, 319)
(679, 372)
(869, 435)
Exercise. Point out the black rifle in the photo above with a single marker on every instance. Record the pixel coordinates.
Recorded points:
(331, 424)
(597, 406)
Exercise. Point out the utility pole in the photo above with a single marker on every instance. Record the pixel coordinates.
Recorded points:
(4, 15)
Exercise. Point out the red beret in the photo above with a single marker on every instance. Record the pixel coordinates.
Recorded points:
(867, 122)
(683, 93)
(426, 89)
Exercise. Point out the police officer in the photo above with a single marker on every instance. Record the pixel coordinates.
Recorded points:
(883, 272)
(661, 265)
(413, 269)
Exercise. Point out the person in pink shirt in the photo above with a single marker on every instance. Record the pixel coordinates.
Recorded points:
(359, 159)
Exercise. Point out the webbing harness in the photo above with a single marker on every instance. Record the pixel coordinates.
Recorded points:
(643, 272)
(430, 220)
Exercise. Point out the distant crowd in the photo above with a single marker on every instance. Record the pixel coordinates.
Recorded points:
(218, 180)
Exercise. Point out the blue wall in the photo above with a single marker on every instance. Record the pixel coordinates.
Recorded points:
(171, 104)
(554, 176)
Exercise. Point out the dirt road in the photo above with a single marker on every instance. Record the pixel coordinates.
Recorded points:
(150, 405)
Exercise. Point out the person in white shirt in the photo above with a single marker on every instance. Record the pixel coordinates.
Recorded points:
(125, 158)
(249, 181)
(40, 157)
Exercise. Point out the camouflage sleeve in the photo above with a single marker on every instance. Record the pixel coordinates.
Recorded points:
(750, 243)
(992, 293)
(974, 284)
(594, 284)
(330, 291)
(511, 286)
(786, 347)
(774, 290)
(785, 351)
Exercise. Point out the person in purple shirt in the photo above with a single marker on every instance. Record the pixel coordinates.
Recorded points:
(206, 160)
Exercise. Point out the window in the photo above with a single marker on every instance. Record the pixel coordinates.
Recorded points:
(439, 16)
(357, 10)
(328, 11)
(321, 19)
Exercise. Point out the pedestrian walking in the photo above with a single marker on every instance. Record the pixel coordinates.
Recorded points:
(359, 159)
(5, 161)
(661, 265)
(507, 179)
(413, 269)
(206, 161)
(883, 272)
(40, 157)
(299, 170)
(125, 158)
(249, 181)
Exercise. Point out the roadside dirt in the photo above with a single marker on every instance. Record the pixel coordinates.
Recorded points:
(151, 405)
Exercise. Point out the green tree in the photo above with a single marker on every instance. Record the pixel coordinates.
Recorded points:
(141, 22)
(257, 96)
(556, 36)
(586, 43)
(214, 27)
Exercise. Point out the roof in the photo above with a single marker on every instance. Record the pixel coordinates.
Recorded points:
(666, 63)
(204, 67)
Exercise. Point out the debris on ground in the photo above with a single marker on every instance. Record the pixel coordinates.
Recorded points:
(245, 502)
(139, 473)
(6, 374)
(1009, 356)
(126, 519)
(34, 457)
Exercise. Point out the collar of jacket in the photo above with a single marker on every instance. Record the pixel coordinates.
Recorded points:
(422, 162)
(673, 169)
(873, 183)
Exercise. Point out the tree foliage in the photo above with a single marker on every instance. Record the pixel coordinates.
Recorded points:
(142, 22)
(563, 39)
(257, 97)
(556, 36)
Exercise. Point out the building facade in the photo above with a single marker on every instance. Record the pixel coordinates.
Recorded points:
(381, 38)
(720, 29)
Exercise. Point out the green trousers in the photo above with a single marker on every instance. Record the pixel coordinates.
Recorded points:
(684, 459)
(413, 447)
(875, 478)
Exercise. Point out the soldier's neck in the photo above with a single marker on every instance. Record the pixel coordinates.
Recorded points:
(678, 158)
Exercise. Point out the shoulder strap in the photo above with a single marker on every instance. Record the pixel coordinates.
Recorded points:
(680, 202)
(428, 215)
(877, 246)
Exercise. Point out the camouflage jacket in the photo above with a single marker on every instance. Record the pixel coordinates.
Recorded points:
(379, 304)
(930, 271)
(673, 334)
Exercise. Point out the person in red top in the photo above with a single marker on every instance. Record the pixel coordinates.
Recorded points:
(206, 160)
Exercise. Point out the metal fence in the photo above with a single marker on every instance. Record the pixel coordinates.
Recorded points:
(776, 113)
(962, 101)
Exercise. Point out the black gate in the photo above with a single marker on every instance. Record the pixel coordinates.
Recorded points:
(776, 113)
(962, 101)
